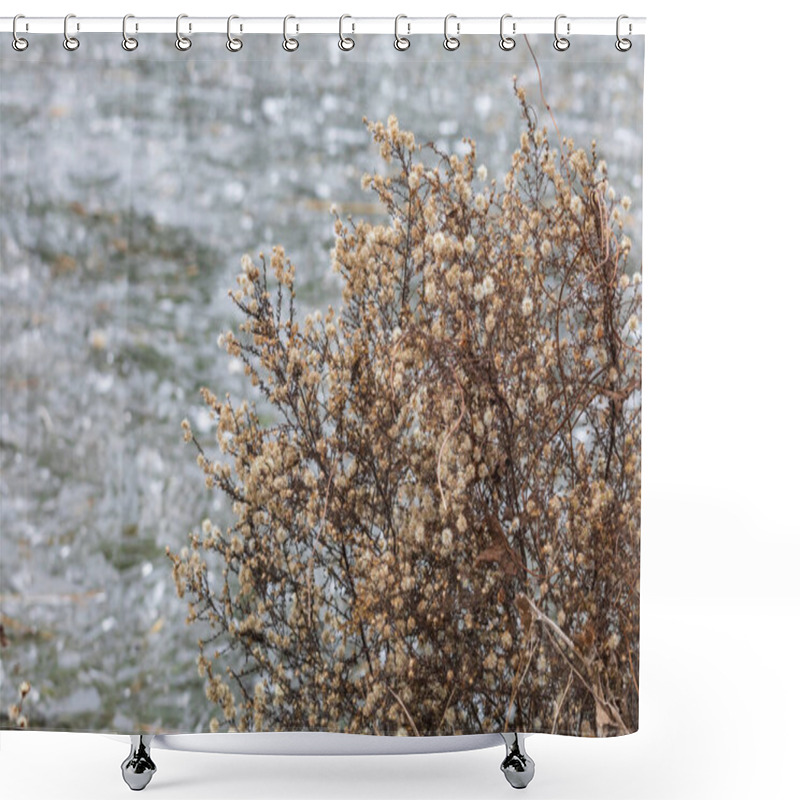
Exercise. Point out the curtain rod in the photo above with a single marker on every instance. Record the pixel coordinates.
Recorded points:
(348, 25)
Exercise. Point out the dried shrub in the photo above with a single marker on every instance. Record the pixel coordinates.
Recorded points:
(441, 534)
(16, 714)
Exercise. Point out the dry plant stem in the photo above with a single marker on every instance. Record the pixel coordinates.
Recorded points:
(563, 697)
(541, 89)
(634, 672)
(584, 677)
(518, 680)
(592, 687)
(450, 432)
(405, 710)
(310, 573)
(548, 623)
(446, 706)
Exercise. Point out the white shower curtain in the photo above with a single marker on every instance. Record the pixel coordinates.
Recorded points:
(331, 360)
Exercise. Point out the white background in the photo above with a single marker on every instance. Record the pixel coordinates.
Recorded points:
(720, 704)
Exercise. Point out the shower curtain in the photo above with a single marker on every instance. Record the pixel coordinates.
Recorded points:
(321, 386)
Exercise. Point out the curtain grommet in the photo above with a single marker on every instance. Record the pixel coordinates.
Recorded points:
(70, 43)
(401, 43)
(129, 43)
(451, 42)
(183, 43)
(289, 44)
(560, 43)
(346, 43)
(623, 44)
(507, 42)
(18, 43)
(233, 44)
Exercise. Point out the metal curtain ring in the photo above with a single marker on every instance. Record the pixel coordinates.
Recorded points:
(623, 45)
(289, 44)
(70, 42)
(401, 42)
(183, 43)
(233, 44)
(507, 42)
(561, 43)
(345, 42)
(451, 42)
(18, 43)
(128, 42)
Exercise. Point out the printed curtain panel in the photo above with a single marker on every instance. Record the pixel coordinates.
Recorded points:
(321, 386)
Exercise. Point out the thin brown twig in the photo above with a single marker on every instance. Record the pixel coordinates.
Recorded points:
(541, 92)
(403, 706)
(633, 671)
(450, 432)
(518, 682)
(561, 703)
(310, 571)
(447, 704)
